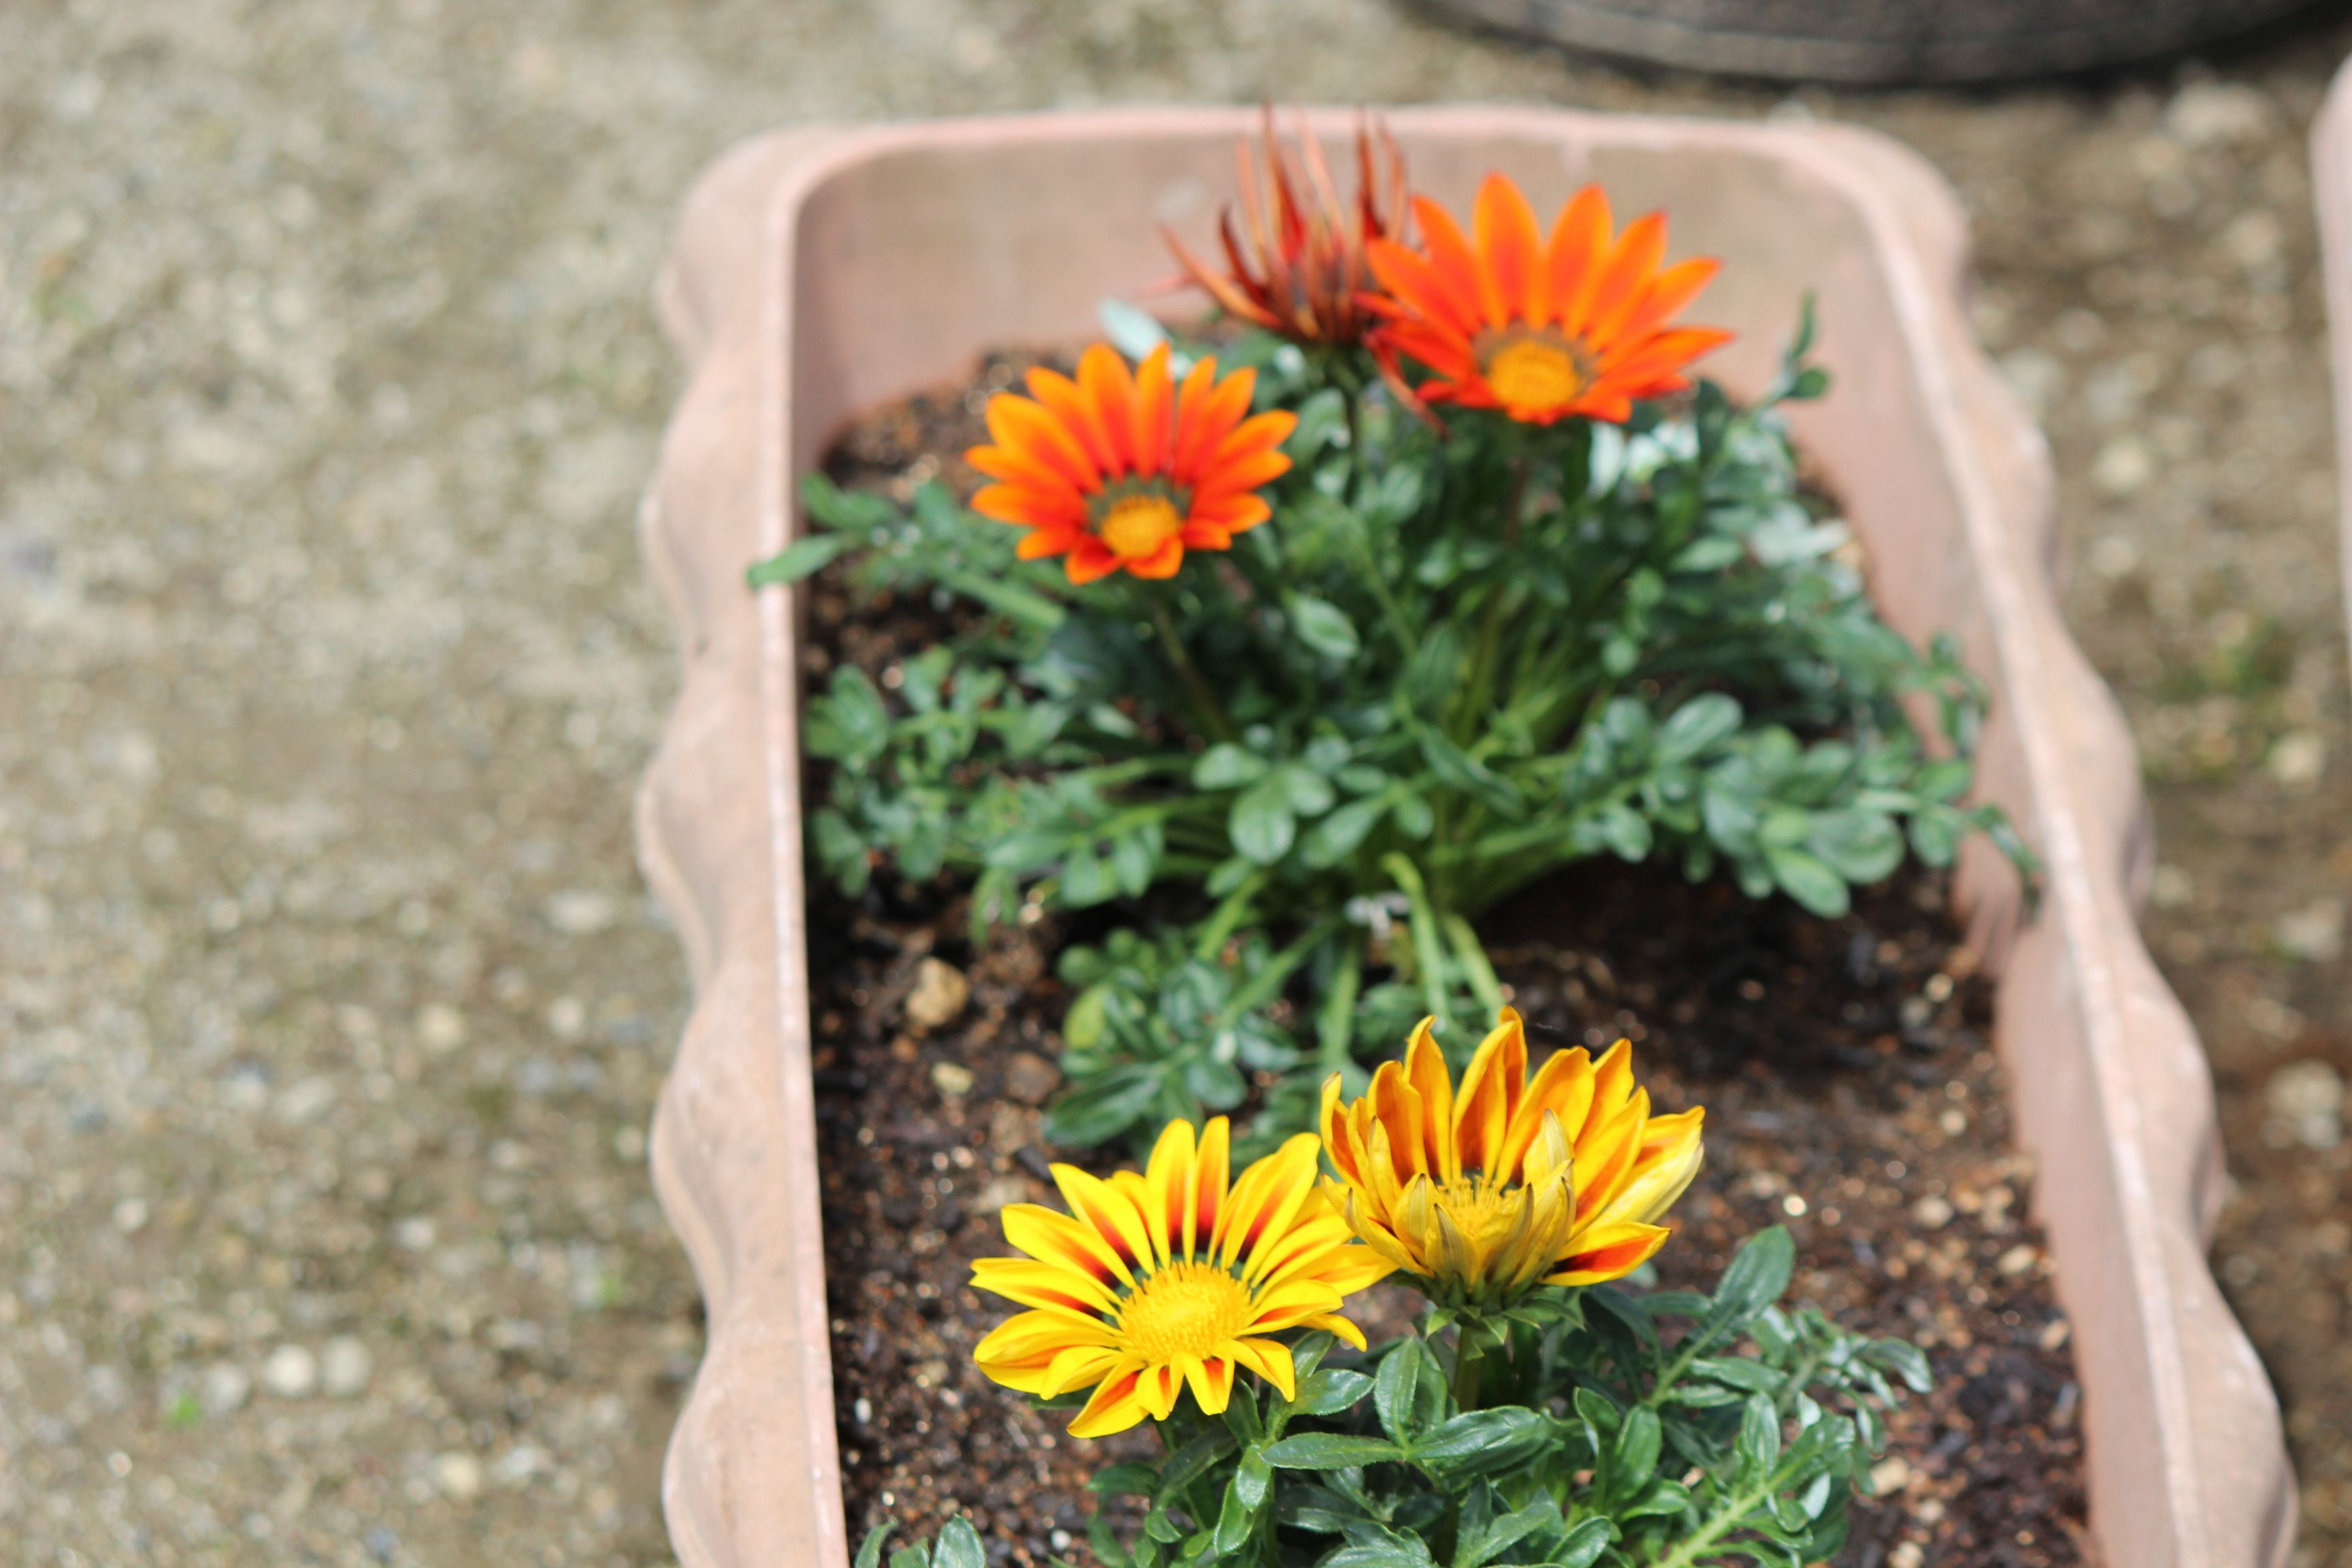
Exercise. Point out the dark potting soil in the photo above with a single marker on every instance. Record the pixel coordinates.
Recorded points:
(1850, 1096)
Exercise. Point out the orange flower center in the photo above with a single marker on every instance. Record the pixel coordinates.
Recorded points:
(1138, 525)
(1185, 1308)
(1535, 375)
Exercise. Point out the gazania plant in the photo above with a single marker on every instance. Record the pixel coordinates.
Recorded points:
(1536, 1412)
(1431, 564)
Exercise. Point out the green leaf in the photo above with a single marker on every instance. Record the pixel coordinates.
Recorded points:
(1253, 1479)
(915, 1557)
(1324, 627)
(1808, 881)
(1227, 767)
(1638, 1442)
(1863, 847)
(1336, 837)
(1476, 1548)
(1134, 332)
(1625, 830)
(1394, 1387)
(1086, 880)
(1329, 1451)
(1584, 1545)
(1103, 1108)
(869, 1551)
(1329, 1392)
(1262, 822)
(1758, 1276)
(1759, 1449)
(1460, 770)
(1234, 1520)
(957, 1546)
(1737, 1372)
(1905, 1360)
(1307, 792)
(1193, 1460)
(1481, 1440)
(1242, 1418)
(1125, 1480)
(804, 557)
(1698, 724)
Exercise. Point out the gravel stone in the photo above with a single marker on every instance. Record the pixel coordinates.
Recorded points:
(290, 1373)
(458, 1475)
(345, 1368)
(1030, 1077)
(226, 1388)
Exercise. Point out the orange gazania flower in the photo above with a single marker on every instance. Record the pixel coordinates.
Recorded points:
(1543, 330)
(1173, 1277)
(1483, 1194)
(1118, 470)
(1302, 271)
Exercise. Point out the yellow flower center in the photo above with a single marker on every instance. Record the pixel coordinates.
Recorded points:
(1482, 1211)
(1185, 1309)
(1138, 525)
(1535, 375)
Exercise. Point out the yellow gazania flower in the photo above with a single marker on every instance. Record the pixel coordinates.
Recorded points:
(1158, 1280)
(1560, 1180)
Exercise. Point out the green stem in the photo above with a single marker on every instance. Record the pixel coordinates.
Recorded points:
(1204, 698)
(1347, 402)
(1471, 953)
(1368, 561)
(1427, 948)
(1703, 1540)
(1270, 980)
(1335, 1022)
(1479, 689)
(1469, 1360)
(1228, 915)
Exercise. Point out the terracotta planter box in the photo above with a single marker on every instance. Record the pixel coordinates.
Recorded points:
(821, 272)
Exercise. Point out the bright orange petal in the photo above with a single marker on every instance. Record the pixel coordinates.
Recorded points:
(1579, 240)
(1153, 413)
(1508, 245)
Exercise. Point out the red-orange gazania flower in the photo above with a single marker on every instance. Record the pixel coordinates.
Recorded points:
(1298, 266)
(1574, 325)
(1128, 470)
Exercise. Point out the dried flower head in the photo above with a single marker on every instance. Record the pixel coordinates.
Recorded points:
(1513, 1182)
(1296, 266)
(1543, 328)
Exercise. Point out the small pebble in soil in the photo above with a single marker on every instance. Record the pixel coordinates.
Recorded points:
(939, 995)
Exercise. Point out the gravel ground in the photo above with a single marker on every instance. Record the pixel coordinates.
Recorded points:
(330, 1007)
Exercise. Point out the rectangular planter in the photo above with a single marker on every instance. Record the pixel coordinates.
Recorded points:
(821, 272)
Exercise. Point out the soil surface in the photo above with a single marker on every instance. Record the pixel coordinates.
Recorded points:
(1849, 1092)
(330, 1010)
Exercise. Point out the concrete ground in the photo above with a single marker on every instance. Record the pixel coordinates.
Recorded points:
(331, 1009)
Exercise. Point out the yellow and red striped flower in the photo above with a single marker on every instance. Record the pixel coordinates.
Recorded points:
(1513, 1182)
(1126, 470)
(1168, 1279)
(1574, 325)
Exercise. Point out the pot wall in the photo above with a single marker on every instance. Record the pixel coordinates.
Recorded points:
(819, 273)
(2331, 189)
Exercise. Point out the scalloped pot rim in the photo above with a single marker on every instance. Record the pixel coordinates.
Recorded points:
(822, 271)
